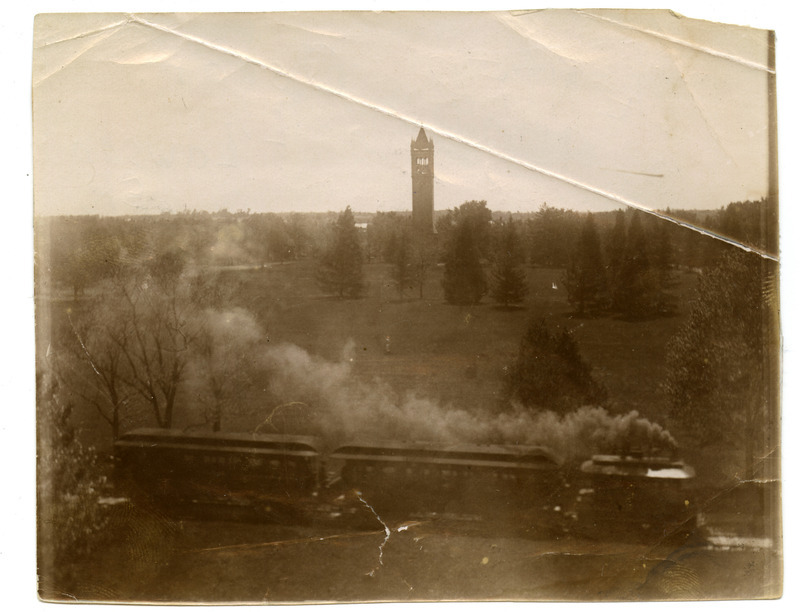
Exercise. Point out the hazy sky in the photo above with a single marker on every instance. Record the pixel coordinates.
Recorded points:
(156, 113)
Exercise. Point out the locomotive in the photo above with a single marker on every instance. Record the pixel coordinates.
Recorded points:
(296, 478)
(633, 492)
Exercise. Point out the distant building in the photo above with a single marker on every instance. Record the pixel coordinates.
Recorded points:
(422, 184)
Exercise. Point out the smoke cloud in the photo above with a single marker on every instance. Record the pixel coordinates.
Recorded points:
(329, 401)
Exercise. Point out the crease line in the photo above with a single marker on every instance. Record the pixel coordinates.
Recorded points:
(510, 23)
(451, 136)
(386, 530)
(102, 35)
(714, 134)
(683, 43)
(86, 34)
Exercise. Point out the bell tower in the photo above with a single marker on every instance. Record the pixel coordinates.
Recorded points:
(422, 184)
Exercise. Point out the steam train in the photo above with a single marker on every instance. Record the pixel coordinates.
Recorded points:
(297, 478)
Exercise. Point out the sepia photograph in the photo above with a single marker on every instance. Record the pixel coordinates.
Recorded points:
(356, 306)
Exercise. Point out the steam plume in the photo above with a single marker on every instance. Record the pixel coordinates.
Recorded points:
(343, 408)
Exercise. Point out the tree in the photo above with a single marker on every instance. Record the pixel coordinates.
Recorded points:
(132, 344)
(70, 522)
(299, 238)
(384, 232)
(616, 241)
(549, 372)
(340, 268)
(80, 252)
(509, 283)
(157, 329)
(550, 234)
(464, 281)
(721, 365)
(90, 364)
(662, 262)
(220, 360)
(636, 291)
(477, 215)
(663, 253)
(585, 277)
(474, 213)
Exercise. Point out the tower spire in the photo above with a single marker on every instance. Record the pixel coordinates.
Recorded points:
(422, 183)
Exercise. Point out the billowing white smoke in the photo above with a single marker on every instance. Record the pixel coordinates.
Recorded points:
(341, 408)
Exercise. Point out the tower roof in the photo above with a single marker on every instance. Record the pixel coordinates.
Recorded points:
(422, 138)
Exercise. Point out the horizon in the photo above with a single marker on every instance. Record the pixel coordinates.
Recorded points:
(234, 213)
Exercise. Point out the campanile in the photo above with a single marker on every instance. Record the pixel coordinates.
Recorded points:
(422, 183)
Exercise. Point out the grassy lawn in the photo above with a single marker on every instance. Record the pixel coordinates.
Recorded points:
(449, 353)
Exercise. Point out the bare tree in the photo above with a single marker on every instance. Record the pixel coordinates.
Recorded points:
(157, 327)
(221, 360)
(132, 344)
(89, 363)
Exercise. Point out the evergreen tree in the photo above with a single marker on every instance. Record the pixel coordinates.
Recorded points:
(663, 253)
(509, 283)
(464, 281)
(340, 269)
(636, 293)
(477, 215)
(662, 260)
(549, 372)
(585, 277)
(615, 253)
(551, 232)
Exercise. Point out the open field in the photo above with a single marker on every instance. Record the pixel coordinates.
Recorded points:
(456, 354)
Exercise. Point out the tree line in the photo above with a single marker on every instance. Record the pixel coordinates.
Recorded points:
(83, 251)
